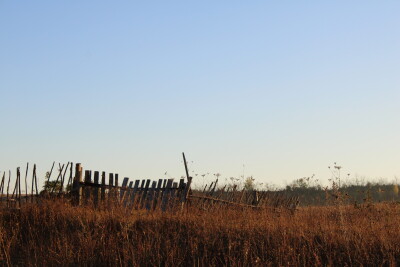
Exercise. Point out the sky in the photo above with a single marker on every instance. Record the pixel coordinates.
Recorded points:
(277, 90)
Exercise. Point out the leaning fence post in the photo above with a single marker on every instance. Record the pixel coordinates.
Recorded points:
(134, 193)
(189, 182)
(123, 189)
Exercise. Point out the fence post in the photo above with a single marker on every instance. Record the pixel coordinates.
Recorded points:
(165, 197)
(116, 191)
(96, 189)
(134, 192)
(87, 189)
(103, 184)
(111, 187)
(123, 189)
(76, 185)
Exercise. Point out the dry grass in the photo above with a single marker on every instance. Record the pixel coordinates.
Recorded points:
(56, 233)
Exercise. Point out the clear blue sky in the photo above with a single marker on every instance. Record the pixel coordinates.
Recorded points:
(285, 87)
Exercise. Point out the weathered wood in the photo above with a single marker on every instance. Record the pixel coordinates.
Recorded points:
(58, 178)
(186, 191)
(127, 196)
(103, 189)
(110, 190)
(165, 198)
(157, 194)
(186, 167)
(134, 192)
(116, 189)
(87, 189)
(224, 201)
(14, 194)
(76, 185)
(26, 182)
(189, 182)
(96, 189)
(123, 189)
(2, 185)
(51, 171)
(173, 195)
(69, 184)
(116, 180)
(144, 194)
(8, 185)
(63, 178)
(150, 196)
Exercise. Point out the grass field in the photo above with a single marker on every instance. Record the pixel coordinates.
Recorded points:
(56, 233)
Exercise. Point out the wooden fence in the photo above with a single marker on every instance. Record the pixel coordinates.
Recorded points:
(87, 187)
(164, 194)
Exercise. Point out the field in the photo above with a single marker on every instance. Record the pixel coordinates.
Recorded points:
(57, 233)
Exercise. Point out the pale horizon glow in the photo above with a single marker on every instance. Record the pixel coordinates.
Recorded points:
(283, 89)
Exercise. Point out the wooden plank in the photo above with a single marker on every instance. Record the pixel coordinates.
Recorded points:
(186, 191)
(103, 184)
(144, 194)
(150, 196)
(110, 188)
(8, 184)
(181, 187)
(59, 177)
(2, 186)
(116, 189)
(173, 195)
(19, 187)
(134, 192)
(223, 201)
(26, 183)
(123, 189)
(166, 194)
(63, 178)
(87, 189)
(51, 171)
(15, 191)
(96, 189)
(128, 193)
(116, 180)
(157, 194)
(76, 185)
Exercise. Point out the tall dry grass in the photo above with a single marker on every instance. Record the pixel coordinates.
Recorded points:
(56, 233)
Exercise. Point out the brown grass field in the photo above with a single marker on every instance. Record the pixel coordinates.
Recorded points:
(56, 233)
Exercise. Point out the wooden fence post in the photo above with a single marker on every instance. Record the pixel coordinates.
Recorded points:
(144, 194)
(133, 194)
(96, 189)
(123, 189)
(87, 189)
(116, 191)
(166, 194)
(76, 185)
(111, 187)
(103, 186)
